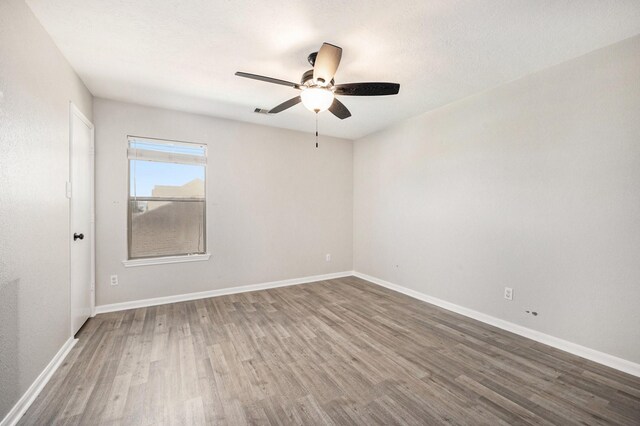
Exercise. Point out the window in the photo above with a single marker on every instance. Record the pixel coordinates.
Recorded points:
(167, 203)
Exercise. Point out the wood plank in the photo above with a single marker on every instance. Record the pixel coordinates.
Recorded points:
(334, 352)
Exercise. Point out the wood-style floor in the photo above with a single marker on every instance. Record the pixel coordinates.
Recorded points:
(335, 352)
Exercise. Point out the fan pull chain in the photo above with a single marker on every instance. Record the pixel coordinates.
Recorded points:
(316, 129)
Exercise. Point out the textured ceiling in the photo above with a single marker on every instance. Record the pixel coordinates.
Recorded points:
(182, 54)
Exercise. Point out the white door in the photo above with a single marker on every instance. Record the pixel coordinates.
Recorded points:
(81, 191)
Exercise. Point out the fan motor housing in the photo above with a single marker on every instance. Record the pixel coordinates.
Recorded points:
(308, 76)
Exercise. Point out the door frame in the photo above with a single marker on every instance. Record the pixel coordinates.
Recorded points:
(75, 111)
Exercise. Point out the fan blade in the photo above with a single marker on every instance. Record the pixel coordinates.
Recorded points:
(338, 109)
(367, 89)
(285, 105)
(326, 63)
(268, 79)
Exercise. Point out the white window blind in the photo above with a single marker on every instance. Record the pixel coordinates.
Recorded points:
(166, 151)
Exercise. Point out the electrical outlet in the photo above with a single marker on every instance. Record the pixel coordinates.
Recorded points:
(508, 293)
(328, 257)
(114, 280)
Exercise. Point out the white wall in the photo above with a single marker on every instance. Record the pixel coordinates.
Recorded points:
(533, 185)
(36, 85)
(275, 204)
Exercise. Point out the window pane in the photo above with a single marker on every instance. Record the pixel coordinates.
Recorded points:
(166, 228)
(166, 198)
(155, 179)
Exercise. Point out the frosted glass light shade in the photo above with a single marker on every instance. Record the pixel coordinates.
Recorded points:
(316, 99)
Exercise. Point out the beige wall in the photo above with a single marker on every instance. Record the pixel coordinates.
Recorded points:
(275, 204)
(533, 185)
(36, 85)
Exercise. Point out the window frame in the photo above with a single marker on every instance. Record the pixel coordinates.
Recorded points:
(177, 257)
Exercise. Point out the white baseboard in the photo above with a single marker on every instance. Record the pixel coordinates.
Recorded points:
(101, 309)
(564, 345)
(36, 387)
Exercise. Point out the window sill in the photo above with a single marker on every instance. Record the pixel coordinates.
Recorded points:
(167, 259)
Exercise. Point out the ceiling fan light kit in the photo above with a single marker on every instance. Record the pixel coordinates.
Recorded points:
(318, 88)
(316, 99)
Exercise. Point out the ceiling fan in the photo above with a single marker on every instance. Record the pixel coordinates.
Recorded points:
(318, 88)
